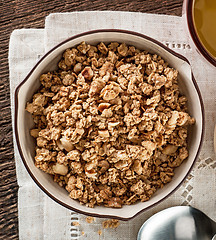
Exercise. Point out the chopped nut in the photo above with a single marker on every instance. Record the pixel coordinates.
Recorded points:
(66, 144)
(60, 169)
(87, 73)
(103, 106)
(169, 149)
(78, 68)
(34, 132)
(104, 133)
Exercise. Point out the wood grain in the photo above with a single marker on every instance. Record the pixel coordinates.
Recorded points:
(16, 14)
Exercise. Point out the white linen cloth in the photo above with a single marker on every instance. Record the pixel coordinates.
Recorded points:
(39, 216)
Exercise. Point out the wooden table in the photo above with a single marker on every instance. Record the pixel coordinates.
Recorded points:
(16, 14)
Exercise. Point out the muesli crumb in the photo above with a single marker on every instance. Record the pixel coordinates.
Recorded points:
(90, 219)
(110, 223)
(111, 124)
(75, 224)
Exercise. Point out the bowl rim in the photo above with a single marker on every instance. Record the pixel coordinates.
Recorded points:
(193, 33)
(16, 121)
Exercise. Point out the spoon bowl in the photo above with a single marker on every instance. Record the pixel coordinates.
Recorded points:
(178, 223)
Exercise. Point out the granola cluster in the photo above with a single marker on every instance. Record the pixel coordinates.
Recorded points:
(110, 124)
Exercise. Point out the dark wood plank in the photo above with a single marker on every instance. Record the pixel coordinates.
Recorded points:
(16, 14)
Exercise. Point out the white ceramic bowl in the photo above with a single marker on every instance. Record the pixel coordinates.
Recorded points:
(24, 122)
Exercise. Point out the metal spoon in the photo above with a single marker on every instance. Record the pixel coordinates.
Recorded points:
(178, 223)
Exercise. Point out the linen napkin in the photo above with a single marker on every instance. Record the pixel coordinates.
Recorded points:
(42, 218)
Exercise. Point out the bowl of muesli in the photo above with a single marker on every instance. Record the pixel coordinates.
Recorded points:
(109, 122)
